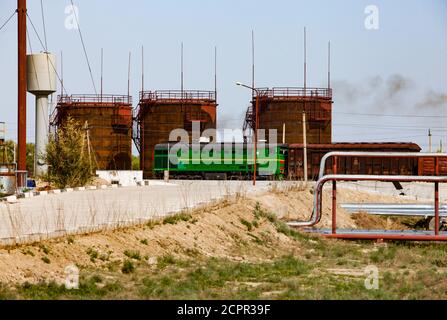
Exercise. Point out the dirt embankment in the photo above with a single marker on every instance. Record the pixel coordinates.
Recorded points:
(229, 229)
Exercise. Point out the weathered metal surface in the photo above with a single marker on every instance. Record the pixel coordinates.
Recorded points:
(379, 155)
(160, 112)
(351, 164)
(387, 209)
(285, 106)
(364, 234)
(109, 119)
(21, 92)
(381, 235)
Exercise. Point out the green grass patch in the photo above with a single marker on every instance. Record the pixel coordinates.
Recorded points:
(93, 254)
(46, 260)
(128, 267)
(247, 224)
(132, 254)
(174, 219)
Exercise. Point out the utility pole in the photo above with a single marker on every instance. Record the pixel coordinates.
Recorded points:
(21, 108)
(142, 69)
(102, 70)
(305, 146)
(182, 84)
(256, 135)
(283, 133)
(304, 107)
(429, 141)
(128, 76)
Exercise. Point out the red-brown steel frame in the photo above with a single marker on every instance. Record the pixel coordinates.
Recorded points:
(365, 234)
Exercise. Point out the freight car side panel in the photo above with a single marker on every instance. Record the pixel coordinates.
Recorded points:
(432, 166)
(354, 165)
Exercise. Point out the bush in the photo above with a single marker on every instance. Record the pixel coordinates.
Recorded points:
(46, 260)
(132, 254)
(135, 163)
(128, 267)
(69, 156)
(174, 219)
(247, 224)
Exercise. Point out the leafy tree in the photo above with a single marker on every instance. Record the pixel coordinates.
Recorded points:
(10, 147)
(135, 163)
(7, 152)
(30, 159)
(69, 157)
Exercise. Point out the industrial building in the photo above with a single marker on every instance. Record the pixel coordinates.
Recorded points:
(160, 112)
(108, 121)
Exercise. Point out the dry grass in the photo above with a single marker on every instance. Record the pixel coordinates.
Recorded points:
(231, 249)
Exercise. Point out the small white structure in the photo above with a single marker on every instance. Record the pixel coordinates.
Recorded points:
(122, 178)
(41, 78)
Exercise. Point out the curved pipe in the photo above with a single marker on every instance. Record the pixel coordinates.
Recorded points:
(314, 219)
(317, 212)
(374, 154)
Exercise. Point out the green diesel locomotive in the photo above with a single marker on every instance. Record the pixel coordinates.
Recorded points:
(224, 161)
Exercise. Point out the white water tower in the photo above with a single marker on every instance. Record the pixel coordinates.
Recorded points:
(41, 78)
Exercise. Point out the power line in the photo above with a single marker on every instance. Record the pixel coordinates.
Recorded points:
(4, 24)
(35, 31)
(387, 126)
(389, 115)
(44, 28)
(83, 46)
(49, 60)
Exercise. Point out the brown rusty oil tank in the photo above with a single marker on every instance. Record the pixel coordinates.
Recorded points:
(160, 112)
(283, 107)
(109, 122)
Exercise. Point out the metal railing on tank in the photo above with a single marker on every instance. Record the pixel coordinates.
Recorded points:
(95, 99)
(178, 95)
(291, 92)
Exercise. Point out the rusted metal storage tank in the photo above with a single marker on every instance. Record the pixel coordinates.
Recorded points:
(109, 122)
(160, 112)
(281, 108)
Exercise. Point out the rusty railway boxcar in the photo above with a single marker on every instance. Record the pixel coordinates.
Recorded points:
(432, 166)
(109, 122)
(355, 165)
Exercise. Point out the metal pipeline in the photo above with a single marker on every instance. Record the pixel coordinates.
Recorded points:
(314, 219)
(317, 214)
(374, 155)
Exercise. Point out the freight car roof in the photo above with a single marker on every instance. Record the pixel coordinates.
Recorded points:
(358, 146)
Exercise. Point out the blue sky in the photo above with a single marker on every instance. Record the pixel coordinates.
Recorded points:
(399, 69)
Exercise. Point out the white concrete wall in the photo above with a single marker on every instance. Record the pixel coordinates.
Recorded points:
(52, 215)
(123, 178)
